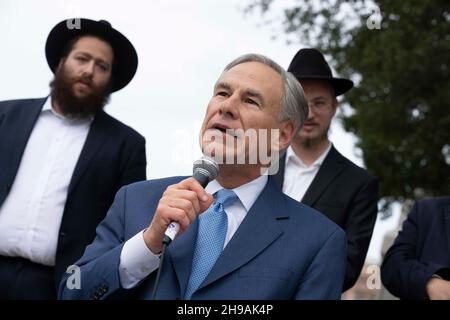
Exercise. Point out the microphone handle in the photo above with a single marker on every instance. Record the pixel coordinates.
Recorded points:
(203, 179)
(174, 227)
(171, 232)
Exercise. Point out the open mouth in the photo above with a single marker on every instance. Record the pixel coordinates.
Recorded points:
(84, 84)
(222, 128)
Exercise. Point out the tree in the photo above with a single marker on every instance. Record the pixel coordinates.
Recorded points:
(397, 52)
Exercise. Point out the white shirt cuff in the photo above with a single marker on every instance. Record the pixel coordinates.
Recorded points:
(136, 261)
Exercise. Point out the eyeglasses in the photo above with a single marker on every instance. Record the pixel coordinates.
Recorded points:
(320, 105)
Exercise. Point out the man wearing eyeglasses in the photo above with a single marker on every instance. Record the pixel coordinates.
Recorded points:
(315, 173)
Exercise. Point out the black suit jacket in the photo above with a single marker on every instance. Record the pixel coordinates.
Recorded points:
(348, 195)
(420, 250)
(112, 156)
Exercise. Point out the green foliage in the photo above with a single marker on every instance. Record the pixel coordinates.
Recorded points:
(401, 103)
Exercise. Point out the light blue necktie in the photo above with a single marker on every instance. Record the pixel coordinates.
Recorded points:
(212, 229)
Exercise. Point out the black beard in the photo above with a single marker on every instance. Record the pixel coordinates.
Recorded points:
(72, 106)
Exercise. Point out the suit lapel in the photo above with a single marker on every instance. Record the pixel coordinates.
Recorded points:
(25, 121)
(98, 133)
(181, 251)
(279, 176)
(331, 167)
(447, 224)
(256, 232)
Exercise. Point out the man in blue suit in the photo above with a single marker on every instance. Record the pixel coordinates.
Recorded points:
(63, 159)
(417, 266)
(252, 243)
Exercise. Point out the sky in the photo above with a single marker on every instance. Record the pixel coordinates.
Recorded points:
(182, 47)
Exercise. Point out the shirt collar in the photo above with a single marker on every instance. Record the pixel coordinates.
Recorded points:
(292, 157)
(48, 104)
(247, 193)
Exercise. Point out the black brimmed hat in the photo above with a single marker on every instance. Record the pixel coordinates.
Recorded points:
(125, 55)
(310, 64)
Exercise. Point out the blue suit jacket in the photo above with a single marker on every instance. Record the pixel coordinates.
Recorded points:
(420, 250)
(112, 156)
(282, 250)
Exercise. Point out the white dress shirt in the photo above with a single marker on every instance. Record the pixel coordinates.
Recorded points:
(31, 215)
(298, 176)
(136, 259)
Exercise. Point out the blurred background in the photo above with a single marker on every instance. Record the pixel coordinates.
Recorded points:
(395, 122)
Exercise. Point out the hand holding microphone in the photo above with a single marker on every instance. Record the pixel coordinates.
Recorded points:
(180, 205)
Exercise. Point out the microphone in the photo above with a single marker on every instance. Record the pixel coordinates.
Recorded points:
(204, 170)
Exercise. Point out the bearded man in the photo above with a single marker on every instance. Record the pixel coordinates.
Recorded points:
(62, 158)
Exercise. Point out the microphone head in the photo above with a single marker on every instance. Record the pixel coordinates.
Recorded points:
(206, 167)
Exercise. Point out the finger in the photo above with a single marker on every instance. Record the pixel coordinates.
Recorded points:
(165, 214)
(154, 234)
(206, 199)
(186, 195)
(186, 205)
(193, 185)
(204, 205)
(180, 216)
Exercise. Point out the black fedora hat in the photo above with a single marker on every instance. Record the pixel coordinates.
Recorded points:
(125, 55)
(310, 64)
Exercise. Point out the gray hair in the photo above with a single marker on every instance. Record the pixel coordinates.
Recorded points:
(294, 106)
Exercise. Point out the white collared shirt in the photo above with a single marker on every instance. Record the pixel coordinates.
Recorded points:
(31, 215)
(136, 259)
(298, 176)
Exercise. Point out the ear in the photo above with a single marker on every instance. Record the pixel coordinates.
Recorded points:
(334, 105)
(287, 130)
